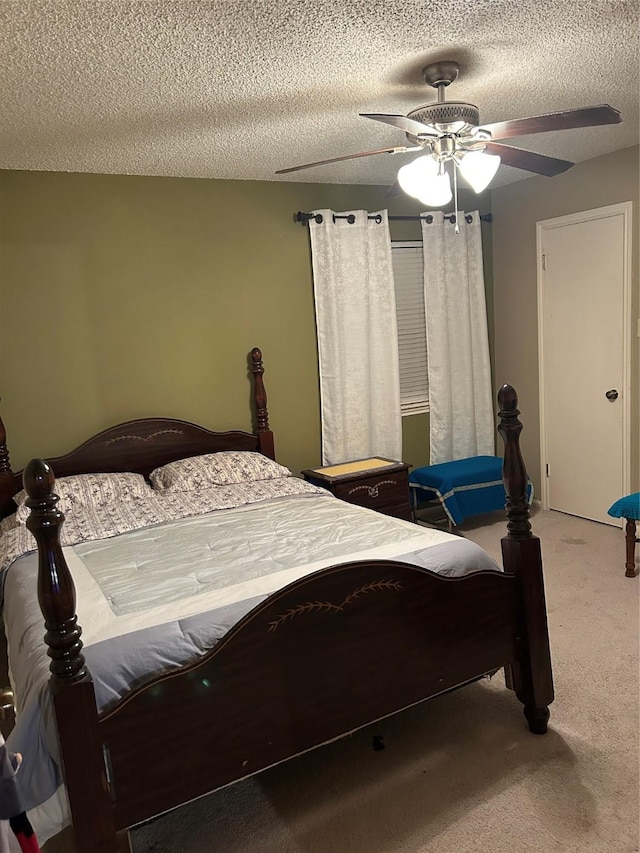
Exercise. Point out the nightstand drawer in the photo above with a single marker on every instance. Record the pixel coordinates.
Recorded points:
(376, 483)
(376, 492)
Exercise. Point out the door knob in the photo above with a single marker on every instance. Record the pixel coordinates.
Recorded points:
(612, 395)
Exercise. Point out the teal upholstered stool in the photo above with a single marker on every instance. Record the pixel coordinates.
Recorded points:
(629, 508)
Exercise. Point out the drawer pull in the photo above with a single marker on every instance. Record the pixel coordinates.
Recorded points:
(372, 491)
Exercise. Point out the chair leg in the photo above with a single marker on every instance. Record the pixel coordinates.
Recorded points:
(630, 565)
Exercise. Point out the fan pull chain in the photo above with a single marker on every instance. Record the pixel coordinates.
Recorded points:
(455, 198)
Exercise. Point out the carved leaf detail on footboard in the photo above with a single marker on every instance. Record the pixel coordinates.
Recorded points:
(318, 606)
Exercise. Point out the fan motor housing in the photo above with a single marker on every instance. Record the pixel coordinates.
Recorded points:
(447, 117)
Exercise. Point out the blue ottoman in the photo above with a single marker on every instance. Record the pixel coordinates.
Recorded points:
(464, 487)
(629, 508)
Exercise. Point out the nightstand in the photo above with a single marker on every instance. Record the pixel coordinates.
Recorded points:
(376, 483)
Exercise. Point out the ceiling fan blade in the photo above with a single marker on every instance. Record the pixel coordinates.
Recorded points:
(584, 117)
(541, 164)
(397, 150)
(409, 125)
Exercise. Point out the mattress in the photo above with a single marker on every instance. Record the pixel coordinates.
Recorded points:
(159, 595)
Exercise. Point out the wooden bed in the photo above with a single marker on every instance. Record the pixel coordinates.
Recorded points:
(392, 635)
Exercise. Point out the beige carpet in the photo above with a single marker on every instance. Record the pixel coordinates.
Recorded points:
(462, 773)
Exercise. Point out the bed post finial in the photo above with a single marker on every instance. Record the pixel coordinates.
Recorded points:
(514, 473)
(265, 436)
(259, 394)
(56, 590)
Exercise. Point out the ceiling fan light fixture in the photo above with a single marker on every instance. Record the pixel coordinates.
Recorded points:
(451, 130)
(416, 175)
(426, 179)
(436, 192)
(479, 168)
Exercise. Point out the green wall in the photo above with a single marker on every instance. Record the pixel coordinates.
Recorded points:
(126, 296)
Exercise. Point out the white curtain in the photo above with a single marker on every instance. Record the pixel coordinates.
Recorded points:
(357, 336)
(460, 395)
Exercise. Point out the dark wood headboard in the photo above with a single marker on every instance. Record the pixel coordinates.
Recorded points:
(144, 444)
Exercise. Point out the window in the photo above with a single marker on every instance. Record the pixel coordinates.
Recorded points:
(408, 275)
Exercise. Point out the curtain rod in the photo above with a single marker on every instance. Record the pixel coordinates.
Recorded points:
(305, 217)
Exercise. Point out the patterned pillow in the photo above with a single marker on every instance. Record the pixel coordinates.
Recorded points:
(95, 490)
(225, 468)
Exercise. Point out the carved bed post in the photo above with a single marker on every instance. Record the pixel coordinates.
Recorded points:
(70, 683)
(260, 401)
(522, 557)
(7, 482)
(5, 467)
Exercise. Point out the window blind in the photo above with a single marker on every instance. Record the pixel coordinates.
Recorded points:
(408, 274)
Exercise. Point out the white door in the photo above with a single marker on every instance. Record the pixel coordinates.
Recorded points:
(584, 314)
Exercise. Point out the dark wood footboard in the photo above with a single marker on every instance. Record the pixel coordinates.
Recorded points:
(324, 656)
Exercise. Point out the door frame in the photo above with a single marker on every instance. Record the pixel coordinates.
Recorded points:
(625, 208)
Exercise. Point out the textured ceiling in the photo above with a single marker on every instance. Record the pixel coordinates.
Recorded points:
(234, 89)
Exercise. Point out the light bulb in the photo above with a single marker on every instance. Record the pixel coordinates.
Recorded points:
(415, 175)
(436, 192)
(479, 168)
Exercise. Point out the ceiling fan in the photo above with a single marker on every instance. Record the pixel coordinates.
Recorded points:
(450, 132)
